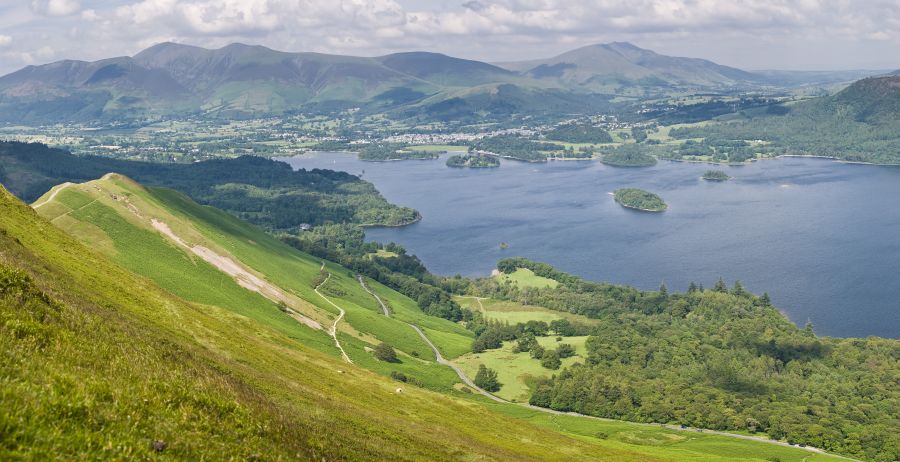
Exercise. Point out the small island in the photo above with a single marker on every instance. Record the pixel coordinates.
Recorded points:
(473, 161)
(639, 199)
(715, 175)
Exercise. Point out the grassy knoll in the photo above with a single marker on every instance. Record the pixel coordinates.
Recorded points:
(99, 362)
(516, 371)
(524, 277)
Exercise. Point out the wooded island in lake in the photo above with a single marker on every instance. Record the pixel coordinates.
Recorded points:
(639, 199)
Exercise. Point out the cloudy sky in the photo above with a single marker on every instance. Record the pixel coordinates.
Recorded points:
(751, 34)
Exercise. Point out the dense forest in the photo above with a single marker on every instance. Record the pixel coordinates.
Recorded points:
(858, 124)
(394, 151)
(719, 358)
(262, 191)
(473, 161)
(628, 155)
(517, 148)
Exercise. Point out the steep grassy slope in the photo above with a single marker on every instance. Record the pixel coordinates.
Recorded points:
(129, 223)
(216, 383)
(98, 363)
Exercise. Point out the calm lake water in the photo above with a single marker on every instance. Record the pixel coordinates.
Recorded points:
(822, 238)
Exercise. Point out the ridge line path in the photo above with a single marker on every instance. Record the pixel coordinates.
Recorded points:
(333, 330)
(55, 190)
(470, 383)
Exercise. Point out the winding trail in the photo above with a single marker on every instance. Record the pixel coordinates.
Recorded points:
(462, 376)
(52, 196)
(384, 307)
(437, 353)
(333, 330)
(477, 299)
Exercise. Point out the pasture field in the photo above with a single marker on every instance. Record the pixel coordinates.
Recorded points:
(524, 277)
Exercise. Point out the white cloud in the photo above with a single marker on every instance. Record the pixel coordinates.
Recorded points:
(55, 7)
(5, 41)
(90, 15)
(745, 33)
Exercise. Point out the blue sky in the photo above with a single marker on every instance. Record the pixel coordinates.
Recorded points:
(750, 34)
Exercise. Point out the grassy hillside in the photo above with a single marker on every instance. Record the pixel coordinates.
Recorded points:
(98, 363)
(238, 381)
(122, 219)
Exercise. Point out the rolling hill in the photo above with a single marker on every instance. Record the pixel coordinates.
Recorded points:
(239, 81)
(623, 68)
(858, 124)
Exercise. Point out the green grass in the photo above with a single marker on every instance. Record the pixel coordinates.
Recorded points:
(512, 312)
(122, 361)
(524, 277)
(107, 362)
(656, 441)
(516, 371)
(145, 251)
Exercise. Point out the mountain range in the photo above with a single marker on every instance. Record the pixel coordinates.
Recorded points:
(247, 81)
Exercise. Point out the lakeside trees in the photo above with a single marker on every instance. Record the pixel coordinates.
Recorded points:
(720, 358)
(628, 155)
(517, 148)
(473, 161)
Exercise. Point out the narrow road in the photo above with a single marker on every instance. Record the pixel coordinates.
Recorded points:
(471, 384)
(384, 307)
(437, 353)
(56, 191)
(333, 330)
(459, 372)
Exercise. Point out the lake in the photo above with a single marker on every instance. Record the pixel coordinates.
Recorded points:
(822, 238)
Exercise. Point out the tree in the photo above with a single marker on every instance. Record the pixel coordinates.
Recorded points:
(663, 290)
(562, 327)
(738, 289)
(720, 286)
(565, 350)
(537, 351)
(487, 379)
(550, 360)
(386, 353)
(525, 343)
